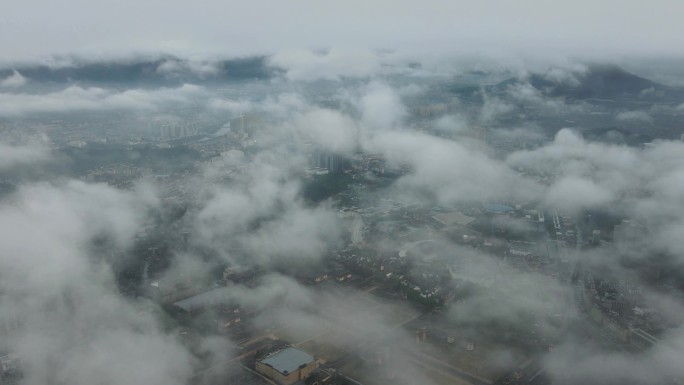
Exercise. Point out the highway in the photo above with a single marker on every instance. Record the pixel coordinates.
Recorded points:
(357, 230)
(446, 368)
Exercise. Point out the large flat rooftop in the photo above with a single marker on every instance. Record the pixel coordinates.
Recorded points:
(287, 360)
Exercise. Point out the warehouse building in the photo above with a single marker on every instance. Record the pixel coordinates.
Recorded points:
(287, 366)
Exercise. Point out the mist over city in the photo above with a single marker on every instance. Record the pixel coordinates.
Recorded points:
(305, 192)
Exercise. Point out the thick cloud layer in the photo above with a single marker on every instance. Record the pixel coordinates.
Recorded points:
(78, 99)
(335, 64)
(12, 156)
(246, 207)
(15, 80)
(72, 324)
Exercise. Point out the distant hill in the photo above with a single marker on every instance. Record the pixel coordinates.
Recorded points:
(166, 70)
(600, 81)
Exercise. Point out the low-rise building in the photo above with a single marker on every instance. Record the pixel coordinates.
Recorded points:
(287, 366)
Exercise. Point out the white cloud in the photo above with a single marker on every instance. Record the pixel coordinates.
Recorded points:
(528, 95)
(231, 105)
(447, 169)
(335, 64)
(329, 129)
(76, 98)
(572, 194)
(75, 327)
(492, 108)
(262, 214)
(201, 68)
(567, 74)
(15, 80)
(634, 116)
(452, 124)
(381, 107)
(284, 106)
(13, 155)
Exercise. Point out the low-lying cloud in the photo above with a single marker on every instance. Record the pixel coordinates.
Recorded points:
(76, 98)
(15, 80)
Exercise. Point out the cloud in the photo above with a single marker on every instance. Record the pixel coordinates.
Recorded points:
(593, 365)
(79, 328)
(262, 217)
(642, 184)
(449, 170)
(492, 108)
(13, 155)
(15, 80)
(76, 98)
(284, 106)
(233, 106)
(329, 130)
(634, 116)
(333, 65)
(381, 107)
(75, 327)
(452, 124)
(527, 95)
(570, 155)
(571, 194)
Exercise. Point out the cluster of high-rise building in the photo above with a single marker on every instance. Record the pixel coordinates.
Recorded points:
(329, 161)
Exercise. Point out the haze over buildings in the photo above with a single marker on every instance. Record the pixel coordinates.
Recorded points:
(341, 192)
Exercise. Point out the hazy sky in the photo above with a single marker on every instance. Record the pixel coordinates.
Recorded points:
(37, 28)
